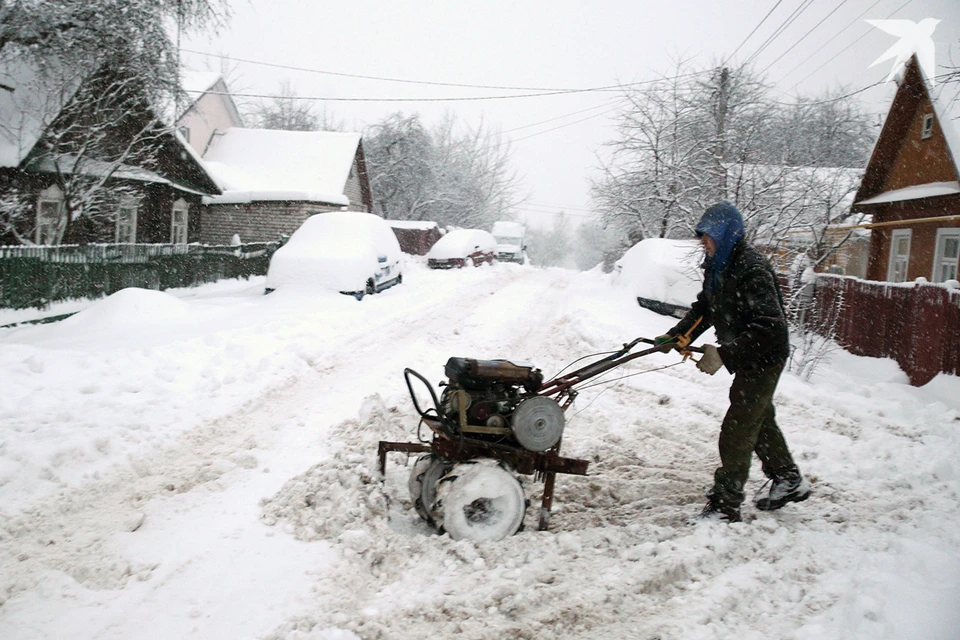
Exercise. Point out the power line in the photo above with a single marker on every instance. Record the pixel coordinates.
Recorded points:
(435, 83)
(779, 30)
(837, 35)
(566, 115)
(749, 35)
(804, 37)
(898, 9)
(357, 99)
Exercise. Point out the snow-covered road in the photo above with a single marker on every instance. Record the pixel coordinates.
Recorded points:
(203, 465)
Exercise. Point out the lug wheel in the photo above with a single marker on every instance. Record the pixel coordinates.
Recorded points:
(480, 500)
(427, 470)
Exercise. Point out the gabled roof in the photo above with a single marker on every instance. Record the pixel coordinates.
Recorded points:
(198, 83)
(914, 88)
(263, 164)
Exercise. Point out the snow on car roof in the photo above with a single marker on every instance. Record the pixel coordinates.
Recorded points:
(507, 228)
(261, 164)
(460, 243)
(663, 270)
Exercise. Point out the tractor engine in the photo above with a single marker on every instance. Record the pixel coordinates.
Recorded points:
(494, 400)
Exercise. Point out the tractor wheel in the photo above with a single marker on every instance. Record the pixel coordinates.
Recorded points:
(427, 470)
(480, 500)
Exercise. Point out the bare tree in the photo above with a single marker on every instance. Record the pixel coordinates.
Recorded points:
(453, 175)
(288, 112)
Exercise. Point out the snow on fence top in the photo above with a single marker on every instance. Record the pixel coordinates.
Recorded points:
(424, 225)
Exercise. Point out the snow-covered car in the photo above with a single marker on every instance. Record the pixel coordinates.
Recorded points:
(462, 248)
(347, 251)
(663, 274)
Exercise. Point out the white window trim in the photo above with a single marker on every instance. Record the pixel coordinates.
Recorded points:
(927, 130)
(891, 265)
(942, 234)
(133, 205)
(52, 194)
(179, 205)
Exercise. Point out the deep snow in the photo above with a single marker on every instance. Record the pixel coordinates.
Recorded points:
(202, 463)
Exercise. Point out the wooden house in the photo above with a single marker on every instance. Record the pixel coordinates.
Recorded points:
(416, 237)
(86, 158)
(911, 186)
(272, 181)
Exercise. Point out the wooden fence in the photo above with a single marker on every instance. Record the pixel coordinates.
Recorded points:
(37, 276)
(918, 325)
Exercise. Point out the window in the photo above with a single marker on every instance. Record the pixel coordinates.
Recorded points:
(185, 132)
(927, 126)
(178, 223)
(899, 256)
(127, 220)
(50, 215)
(947, 255)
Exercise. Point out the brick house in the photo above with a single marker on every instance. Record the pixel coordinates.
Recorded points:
(274, 180)
(911, 186)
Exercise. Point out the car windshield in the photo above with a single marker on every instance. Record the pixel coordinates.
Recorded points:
(508, 241)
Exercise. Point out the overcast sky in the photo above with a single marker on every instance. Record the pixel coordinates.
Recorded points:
(561, 44)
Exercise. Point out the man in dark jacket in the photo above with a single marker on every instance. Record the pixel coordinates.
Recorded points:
(741, 300)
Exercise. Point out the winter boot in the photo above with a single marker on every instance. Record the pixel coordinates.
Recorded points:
(717, 511)
(786, 487)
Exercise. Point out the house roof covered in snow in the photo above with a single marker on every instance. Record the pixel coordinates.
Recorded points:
(914, 89)
(261, 164)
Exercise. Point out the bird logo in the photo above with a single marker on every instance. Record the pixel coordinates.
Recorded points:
(915, 37)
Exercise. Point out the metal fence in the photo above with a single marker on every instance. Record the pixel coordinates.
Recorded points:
(916, 324)
(38, 275)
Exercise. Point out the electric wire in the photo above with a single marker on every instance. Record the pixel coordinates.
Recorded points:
(779, 31)
(835, 36)
(749, 35)
(834, 57)
(803, 37)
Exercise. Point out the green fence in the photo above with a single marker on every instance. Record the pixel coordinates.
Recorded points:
(37, 276)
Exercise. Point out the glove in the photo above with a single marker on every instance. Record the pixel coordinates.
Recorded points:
(665, 342)
(711, 361)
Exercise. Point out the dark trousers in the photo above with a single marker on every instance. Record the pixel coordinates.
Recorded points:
(750, 426)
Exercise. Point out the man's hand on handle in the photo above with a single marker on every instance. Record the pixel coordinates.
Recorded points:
(711, 361)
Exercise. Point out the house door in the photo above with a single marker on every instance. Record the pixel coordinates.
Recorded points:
(899, 256)
(947, 255)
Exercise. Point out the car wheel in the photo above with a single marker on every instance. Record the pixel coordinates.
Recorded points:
(371, 288)
(468, 262)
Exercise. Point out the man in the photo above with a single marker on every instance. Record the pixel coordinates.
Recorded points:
(742, 300)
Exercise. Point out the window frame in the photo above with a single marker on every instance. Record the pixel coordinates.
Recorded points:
(127, 204)
(51, 195)
(926, 129)
(179, 230)
(895, 235)
(943, 234)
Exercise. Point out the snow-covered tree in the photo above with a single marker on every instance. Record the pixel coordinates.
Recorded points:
(289, 113)
(103, 75)
(453, 175)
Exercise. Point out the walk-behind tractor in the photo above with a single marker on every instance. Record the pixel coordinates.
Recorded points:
(494, 421)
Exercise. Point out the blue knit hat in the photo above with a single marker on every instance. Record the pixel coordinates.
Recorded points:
(724, 224)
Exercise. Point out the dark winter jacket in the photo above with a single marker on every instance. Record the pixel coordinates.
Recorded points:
(745, 306)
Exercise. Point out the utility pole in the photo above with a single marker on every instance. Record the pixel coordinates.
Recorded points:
(723, 98)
